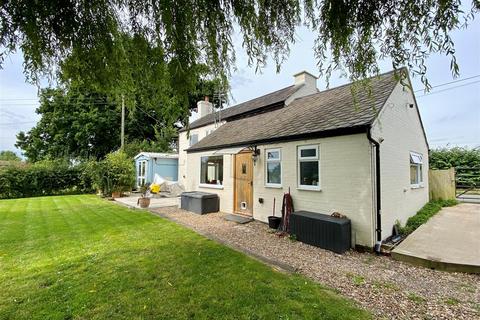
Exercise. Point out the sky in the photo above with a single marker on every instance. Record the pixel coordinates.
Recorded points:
(450, 113)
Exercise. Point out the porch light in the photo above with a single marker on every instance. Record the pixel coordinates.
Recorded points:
(255, 154)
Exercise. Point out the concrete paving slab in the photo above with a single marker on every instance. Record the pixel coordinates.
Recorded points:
(238, 218)
(131, 201)
(449, 241)
(469, 198)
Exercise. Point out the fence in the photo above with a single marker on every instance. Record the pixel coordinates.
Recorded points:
(467, 179)
(441, 184)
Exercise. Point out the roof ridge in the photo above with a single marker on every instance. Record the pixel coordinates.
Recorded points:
(350, 83)
(237, 108)
(266, 94)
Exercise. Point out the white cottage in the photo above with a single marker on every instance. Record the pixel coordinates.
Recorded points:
(364, 155)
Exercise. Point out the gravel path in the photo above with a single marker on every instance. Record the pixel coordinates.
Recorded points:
(389, 289)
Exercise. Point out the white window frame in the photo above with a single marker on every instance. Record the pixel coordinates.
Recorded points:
(267, 161)
(301, 159)
(416, 159)
(139, 176)
(207, 185)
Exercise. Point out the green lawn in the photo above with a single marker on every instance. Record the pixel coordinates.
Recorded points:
(80, 257)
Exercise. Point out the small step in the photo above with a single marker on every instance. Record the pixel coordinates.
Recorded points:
(238, 218)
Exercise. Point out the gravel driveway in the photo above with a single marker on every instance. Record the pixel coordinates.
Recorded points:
(389, 289)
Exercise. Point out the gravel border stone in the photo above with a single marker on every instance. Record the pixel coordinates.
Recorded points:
(389, 289)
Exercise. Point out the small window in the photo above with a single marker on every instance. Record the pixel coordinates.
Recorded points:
(273, 167)
(211, 170)
(308, 167)
(193, 139)
(416, 169)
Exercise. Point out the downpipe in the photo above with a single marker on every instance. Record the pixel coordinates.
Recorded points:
(378, 206)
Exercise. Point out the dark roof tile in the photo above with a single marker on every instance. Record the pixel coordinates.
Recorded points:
(328, 110)
(269, 99)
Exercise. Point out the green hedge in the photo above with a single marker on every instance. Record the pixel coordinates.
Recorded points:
(44, 178)
(116, 173)
(422, 216)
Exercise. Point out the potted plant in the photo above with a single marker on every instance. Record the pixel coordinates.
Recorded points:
(116, 194)
(144, 200)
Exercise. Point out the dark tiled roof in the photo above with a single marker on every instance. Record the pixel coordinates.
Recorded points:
(330, 112)
(272, 98)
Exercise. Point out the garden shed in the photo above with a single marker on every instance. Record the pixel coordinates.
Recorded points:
(147, 164)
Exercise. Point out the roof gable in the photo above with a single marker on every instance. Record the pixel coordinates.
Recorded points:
(333, 111)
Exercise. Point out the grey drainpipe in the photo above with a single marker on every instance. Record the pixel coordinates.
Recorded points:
(378, 193)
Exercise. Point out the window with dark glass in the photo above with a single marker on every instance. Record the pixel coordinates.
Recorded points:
(308, 167)
(211, 170)
(273, 167)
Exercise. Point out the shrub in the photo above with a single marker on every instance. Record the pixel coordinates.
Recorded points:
(422, 216)
(466, 162)
(42, 179)
(445, 158)
(114, 174)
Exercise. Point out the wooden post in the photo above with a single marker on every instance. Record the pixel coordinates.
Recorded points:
(122, 133)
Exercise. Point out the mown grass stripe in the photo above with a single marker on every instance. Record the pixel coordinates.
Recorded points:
(82, 257)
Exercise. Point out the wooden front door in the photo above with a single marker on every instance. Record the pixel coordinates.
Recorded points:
(243, 191)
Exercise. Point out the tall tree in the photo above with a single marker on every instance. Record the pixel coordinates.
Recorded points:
(81, 117)
(7, 155)
(352, 35)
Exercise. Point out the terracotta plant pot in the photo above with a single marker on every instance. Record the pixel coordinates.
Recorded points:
(143, 202)
(116, 194)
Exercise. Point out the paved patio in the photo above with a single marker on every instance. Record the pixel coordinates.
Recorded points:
(448, 241)
(131, 201)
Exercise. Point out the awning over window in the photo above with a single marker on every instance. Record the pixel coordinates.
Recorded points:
(229, 150)
(416, 158)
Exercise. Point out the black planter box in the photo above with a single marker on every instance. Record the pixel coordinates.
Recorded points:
(199, 202)
(321, 230)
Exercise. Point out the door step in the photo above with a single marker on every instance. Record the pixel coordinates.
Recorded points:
(238, 218)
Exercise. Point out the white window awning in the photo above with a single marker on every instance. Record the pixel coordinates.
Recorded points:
(416, 158)
(229, 150)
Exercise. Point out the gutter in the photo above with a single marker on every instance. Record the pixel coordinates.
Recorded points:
(305, 136)
(378, 207)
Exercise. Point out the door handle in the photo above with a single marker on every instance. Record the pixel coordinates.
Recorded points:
(251, 183)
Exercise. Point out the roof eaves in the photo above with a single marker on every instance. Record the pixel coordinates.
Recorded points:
(305, 136)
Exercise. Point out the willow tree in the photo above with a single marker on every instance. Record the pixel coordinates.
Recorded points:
(352, 35)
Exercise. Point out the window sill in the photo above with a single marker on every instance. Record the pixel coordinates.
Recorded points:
(309, 188)
(211, 186)
(416, 186)
(274, 186)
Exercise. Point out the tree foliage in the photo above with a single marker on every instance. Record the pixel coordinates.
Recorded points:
(7, 155)
(73, 126)
(80, 119)
(116, 173)
(351, 35)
